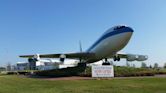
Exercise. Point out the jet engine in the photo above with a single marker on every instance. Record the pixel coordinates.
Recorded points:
(131, 57)
(62, 58)
(35, 58)
(136, 57)
(142, 58)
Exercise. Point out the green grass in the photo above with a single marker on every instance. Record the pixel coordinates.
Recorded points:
(14, 84)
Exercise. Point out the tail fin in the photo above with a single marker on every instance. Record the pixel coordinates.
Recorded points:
(80, 45)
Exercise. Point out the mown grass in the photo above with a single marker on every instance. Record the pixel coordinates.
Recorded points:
(17, 84)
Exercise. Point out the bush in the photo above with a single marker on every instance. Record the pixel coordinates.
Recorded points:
(70, 71)
(130, 71)
(125, 72)
(86, 72)
(11, 73)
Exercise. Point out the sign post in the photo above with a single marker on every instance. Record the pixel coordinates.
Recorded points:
(103, 71)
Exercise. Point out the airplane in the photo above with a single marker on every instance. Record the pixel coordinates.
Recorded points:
(107, 46)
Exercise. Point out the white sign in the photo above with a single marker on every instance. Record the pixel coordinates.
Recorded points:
(103, 71)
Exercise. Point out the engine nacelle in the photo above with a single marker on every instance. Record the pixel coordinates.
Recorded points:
(31, 60)
(62, 58)
(32, 63)
(35, 58)
(142, 58)
(136, 57)
(131, 57)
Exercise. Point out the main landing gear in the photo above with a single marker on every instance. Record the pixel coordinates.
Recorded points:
(116, 58)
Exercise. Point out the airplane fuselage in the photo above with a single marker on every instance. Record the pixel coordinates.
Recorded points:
(112, 41)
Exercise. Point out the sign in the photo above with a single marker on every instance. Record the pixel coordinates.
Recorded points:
(103, 71)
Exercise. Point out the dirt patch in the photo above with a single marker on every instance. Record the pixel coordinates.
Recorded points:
(69, 78)
(164, 76)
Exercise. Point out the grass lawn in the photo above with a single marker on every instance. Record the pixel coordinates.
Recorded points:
(14, 84)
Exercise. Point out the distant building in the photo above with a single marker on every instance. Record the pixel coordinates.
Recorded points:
(22, 66)
(54, 64)
(8, 67)
(44, 65)
(13, 68)
(2, 69)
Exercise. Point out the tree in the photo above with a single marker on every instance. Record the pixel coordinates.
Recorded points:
(8, 67)
(150, 66)
(165, 65)
(2, 69)
(134, 66)
(155, 65)
(143, 65)
(127, 64)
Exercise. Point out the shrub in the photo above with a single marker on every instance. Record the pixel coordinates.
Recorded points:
(11, 73)
(70, 71)
(86, 72)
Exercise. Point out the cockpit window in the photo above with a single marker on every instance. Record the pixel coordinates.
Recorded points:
(119, 27)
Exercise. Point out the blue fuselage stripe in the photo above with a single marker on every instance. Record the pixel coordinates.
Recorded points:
(108, 35)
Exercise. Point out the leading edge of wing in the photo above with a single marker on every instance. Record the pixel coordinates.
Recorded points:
(82, 55)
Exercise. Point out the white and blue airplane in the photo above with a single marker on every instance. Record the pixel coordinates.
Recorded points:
(107, 46)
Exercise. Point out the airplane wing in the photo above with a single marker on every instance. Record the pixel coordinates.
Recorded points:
(82, 55)
(133, 57)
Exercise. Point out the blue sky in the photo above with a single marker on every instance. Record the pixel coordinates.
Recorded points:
(56, 26)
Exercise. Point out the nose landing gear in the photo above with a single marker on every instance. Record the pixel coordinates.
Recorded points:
(106, 62)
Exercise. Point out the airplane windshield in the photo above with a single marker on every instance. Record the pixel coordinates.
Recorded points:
(119, 27)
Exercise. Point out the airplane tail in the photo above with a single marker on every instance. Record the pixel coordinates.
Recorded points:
(80, 45)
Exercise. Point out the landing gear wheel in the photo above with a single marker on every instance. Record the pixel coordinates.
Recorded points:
(106, 62)
(116, 58)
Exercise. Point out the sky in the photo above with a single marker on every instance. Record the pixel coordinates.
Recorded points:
(57, 26)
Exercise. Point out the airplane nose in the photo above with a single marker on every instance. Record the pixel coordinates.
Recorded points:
(130, 29)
